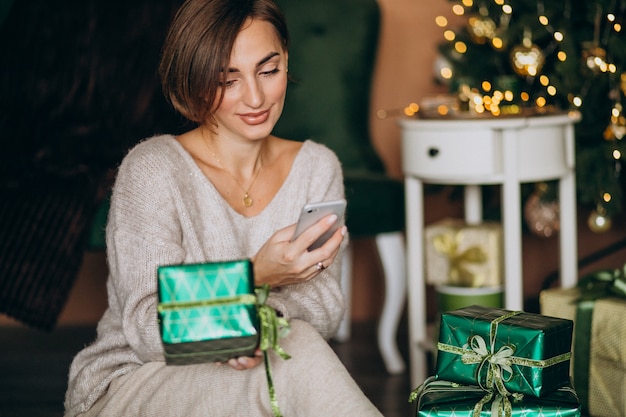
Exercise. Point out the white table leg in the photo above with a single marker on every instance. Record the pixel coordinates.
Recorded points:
(392, 257)
(567, 208)
(473, 204)
(511, 216)
(417, 289)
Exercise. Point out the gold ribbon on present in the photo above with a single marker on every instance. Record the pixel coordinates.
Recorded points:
(498, 365)
(447, 244)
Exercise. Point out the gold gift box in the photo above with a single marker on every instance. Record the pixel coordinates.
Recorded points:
(607, 363)
(464, 255)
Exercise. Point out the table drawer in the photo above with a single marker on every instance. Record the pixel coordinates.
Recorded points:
(451, 155)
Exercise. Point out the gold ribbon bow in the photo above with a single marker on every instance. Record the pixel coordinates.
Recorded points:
(499, 363)
(499, 369)
(448, 244)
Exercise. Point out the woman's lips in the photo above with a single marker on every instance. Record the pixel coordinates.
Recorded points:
(255, 118)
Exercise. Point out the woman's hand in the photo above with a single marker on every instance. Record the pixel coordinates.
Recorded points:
(245, 362)
(281, 262)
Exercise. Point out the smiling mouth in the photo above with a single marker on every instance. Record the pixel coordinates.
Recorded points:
(255, 118)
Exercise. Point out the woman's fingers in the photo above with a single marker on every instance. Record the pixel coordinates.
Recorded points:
(245, 362)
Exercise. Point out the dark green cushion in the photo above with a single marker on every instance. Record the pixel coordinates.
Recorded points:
(331, 62)
(375, 204)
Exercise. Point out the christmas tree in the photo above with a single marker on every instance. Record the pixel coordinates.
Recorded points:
(518, 57)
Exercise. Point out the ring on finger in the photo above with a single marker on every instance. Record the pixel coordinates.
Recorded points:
(320, 266)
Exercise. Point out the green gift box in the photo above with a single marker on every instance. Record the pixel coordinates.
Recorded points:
(506, 351)
(207, 312)
(438, 398)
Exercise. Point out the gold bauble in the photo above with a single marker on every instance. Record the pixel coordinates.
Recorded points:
(598, 221)
(618, 127)
(481, 29)
(541, 214)
(594, 57)
(527, 59)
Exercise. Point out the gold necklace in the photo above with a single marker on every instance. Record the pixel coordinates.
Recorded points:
(247, 200)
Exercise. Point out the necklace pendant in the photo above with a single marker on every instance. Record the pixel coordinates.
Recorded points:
(247, 201)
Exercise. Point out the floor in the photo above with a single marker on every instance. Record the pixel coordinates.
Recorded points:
(34, 364)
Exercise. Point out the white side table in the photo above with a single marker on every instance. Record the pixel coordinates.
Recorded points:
(473, 152)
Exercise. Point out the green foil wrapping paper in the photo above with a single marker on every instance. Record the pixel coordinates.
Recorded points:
(504, 351)
(207, 312)
(438, 398)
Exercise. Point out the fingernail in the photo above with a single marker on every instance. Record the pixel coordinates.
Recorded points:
(243, 361)
(344, 230)
(332, 219)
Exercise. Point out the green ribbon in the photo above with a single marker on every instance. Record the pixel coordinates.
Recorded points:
(272, 329)
(245, 299)
(498, 364)
(594, 286)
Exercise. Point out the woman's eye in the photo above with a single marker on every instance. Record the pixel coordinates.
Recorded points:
(270, 72)
(227, 83)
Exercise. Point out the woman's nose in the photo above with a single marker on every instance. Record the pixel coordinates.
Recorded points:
(253, 95)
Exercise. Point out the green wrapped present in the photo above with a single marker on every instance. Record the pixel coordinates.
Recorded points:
(438, 398)
(211, 312)
(504, 351)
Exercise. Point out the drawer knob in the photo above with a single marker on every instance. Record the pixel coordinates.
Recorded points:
(432, 152)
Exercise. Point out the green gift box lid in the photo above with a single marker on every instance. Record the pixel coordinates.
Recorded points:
(207, 311)
(439, 398)
(508, 351)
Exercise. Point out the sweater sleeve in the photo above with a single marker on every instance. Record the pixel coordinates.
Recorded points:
(320, 301)
(143, 232)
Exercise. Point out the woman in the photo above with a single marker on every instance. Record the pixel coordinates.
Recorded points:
(225, 190)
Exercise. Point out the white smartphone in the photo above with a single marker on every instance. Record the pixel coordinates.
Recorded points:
(314, 212)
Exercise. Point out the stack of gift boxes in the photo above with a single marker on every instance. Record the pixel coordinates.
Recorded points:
(493, 362)
(496, 362)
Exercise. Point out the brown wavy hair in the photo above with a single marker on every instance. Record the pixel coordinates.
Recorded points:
(197, 50)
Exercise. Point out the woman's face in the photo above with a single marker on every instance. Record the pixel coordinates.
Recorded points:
(256, 83)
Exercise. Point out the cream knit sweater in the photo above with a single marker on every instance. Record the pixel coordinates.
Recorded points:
(165, 211)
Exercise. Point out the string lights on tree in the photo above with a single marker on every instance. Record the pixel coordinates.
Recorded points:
(528, 57)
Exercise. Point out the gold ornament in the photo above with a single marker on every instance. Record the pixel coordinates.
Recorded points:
(598, 221)
(527, 58)
(594, 57)
(541, 214)
(618, 122)
(618, 127)
(481, 29)
(622, 83)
